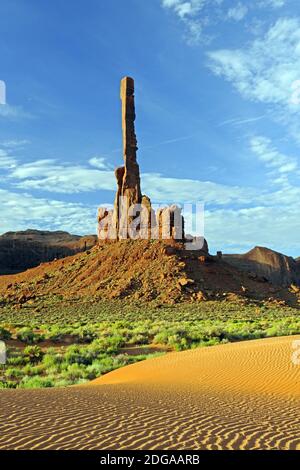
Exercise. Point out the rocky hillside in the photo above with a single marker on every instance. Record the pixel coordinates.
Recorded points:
(267, 264)
(139, 271)
(22, 250)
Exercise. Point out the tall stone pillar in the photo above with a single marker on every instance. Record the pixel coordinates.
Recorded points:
(131, 178)
(128, 177)
(133, 216)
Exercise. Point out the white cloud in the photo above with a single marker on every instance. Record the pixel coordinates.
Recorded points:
(172, 190)
(49, 175)
(12, 144)
(98, 162)
(66, 178)
(20, 211)
(266, 69)
(198, 15)
(189, 13)
(13, 112)
(184, 8)
(238, 12)
(272, 3)
(240, 121)
(271, 157)
(241, 229)
(6, 160)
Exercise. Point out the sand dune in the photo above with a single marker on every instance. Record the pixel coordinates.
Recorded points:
(236, 396)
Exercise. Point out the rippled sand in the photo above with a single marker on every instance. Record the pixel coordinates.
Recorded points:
(237, 396)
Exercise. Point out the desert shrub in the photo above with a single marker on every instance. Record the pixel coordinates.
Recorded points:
(161, 338)
(32, 370)
(52, 358)
(37, 382)
(27, 335)
(77, 355)
(94, 370)
(74, 372)
(33, 353)
(283, 328)
(8, 384)
(85, 335)
(4, 333)
(109, 345)
(14, 373)
(55, 334)
(16, 360)
(60, 382)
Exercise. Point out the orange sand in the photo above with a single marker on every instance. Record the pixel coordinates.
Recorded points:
(237, 396)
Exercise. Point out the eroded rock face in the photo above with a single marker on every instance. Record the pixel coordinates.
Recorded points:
(267, 264)
(133, 216)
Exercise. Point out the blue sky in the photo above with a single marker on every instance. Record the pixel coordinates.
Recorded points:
(217, 112)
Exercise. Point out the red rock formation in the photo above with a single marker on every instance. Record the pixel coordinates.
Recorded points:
(133, 216)
(131, 178)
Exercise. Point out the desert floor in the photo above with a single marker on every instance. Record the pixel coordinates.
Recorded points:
(235, 396)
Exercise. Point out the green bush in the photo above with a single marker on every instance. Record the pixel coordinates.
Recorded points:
(32, 370)
(33, 353)
(27, 335)
(37, 382)
(4, 334)
(77, 355)
(74, 372)
(8, 384)
(52, 358)
(13, 360)
(14, 373)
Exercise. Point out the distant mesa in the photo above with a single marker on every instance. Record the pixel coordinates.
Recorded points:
(26, 249)
(268, 264)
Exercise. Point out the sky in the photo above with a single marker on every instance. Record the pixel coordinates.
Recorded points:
(217, 87)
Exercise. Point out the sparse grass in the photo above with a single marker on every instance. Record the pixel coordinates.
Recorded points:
(53, 310)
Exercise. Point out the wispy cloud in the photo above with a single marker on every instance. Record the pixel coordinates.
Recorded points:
(53, 176)
(241, 229)
(279, 164)
(20, 211)
(241, 121)
(6, 160)
(265, 70)
(66, 178)
(12, 144)
(14, 112)
(170, 190)
(198, 15)
(99, 162)
(272, 3)
(238, 12)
